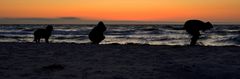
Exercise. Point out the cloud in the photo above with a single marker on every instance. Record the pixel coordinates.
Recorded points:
(71, 20)
(67, 18)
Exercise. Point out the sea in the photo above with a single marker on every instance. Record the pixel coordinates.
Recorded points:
(152, 34)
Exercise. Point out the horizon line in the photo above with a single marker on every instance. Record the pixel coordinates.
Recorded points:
(77, 20)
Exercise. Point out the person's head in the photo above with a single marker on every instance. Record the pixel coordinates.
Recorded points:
(100, 23)
(101, 26)
(207, 26)
(49, 27)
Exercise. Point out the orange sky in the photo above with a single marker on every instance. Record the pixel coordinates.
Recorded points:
(134, 10)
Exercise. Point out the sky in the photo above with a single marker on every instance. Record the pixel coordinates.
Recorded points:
(87, 11)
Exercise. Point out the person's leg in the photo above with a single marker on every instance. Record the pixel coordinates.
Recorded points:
(194, 40)
(46, 40)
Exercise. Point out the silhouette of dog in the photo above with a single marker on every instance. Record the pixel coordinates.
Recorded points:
(96, 35)
(193, 27)
(43, 33)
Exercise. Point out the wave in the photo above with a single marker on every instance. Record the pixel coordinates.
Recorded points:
(126, 33)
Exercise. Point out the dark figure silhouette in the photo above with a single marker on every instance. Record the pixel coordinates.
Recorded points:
(193, 27)
(43, 33)
(96, 35)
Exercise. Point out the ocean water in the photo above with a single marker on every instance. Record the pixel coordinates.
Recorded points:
(153, 34)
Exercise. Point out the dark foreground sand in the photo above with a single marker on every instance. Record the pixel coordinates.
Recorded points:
(85, 61)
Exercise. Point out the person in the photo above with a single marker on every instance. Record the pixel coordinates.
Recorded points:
(43, 33)
(97, 33)
(193, 27)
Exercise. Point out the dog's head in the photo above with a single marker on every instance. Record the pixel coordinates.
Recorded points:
(49, 27)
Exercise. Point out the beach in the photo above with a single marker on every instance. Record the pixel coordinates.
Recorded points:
(115, 61)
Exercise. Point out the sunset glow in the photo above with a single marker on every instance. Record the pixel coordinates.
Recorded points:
(129, 10)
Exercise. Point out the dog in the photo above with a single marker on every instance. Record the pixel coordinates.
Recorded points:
(43, 33)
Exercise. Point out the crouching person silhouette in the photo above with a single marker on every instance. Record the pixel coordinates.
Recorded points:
(96, 35)
(43, 33)
(193, 27)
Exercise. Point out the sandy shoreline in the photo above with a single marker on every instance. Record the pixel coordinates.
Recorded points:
(86, 61)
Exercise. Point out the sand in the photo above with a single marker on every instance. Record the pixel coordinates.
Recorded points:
(86, 61)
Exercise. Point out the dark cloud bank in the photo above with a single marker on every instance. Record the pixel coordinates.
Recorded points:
(68, 20)
(62, 20)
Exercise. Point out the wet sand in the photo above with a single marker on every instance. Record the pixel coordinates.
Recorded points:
(113, 61)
